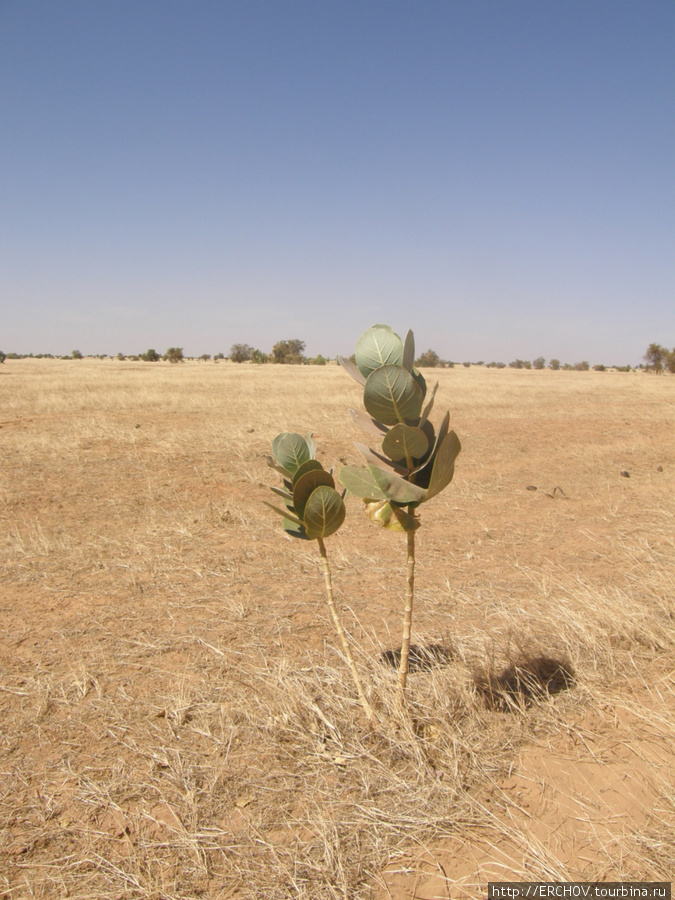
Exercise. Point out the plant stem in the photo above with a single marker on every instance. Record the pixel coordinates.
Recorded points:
(407, 619)
(341, 632)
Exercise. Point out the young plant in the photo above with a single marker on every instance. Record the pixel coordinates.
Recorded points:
(313, 511)
(414, 462)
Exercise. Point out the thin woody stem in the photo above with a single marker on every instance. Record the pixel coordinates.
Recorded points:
(407, 620)
(341, 632)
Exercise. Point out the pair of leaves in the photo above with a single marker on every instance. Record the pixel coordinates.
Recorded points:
(393, 389)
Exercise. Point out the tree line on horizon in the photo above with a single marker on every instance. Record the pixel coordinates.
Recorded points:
(657, 359)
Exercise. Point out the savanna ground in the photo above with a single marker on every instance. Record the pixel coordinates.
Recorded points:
(176, 721)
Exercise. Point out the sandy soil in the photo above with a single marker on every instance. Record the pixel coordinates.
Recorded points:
(176, 721)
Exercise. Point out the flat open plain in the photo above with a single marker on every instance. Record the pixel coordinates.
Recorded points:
(176, 721)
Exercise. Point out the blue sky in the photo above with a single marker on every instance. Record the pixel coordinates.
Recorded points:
(498, 175)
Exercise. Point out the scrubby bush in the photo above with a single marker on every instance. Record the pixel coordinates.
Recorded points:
(260, 358)
(539, 363)
(240, 353)
(76, 355)
(429, 360)
(174, 354)
(288, 352)
(150, 355)
(554, 364)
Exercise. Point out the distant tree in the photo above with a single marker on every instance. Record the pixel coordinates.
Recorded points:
(669, 360)
(430, 360)
(519, 364)
(554, 364)
(205, 357)
(539, 363)
(150, 356)
(600, 368)
(218, 356)
(582, 366)
(240, 353)
(2, 357)
(466, 365)
(174, 354)
(259, 358)
(121, 356)
(319, 360)
(288, 352)
(654, 357)
(76, 354)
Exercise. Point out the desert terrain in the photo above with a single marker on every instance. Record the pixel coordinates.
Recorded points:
(176, 719)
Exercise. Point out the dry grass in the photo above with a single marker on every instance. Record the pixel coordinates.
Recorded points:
(176, 721)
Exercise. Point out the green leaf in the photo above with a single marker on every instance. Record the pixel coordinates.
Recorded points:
(288, 498)
(391, 395)
(421, 382)
(287, 514)
(444, 464)
(306, 484)
(368, 423)
(396, 488)
(380, 461)
(360, 482)
(295, 530)
(423, 472)
(378, 346)
(311, 445)
(426, 412)
(405, 442)
(306, 467)
(272, 464)
(290, 451)
(351, 369)
(324, 512)
(393, 518)
(408, 352)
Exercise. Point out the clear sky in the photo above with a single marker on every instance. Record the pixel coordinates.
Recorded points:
(498, 176)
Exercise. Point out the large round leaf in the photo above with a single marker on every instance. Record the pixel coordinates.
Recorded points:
(360, 482)
(290, 451)
(379, 346)
(396, 488)
(324, 512)
(405, 442)
(307, 483)
(391, 395)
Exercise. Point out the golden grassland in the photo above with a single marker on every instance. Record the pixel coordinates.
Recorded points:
(176, 719)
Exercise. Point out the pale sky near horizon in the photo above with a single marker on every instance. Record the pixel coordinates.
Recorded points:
(497, 176)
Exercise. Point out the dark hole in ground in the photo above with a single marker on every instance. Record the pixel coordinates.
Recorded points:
(420, 659)
(522, 683)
